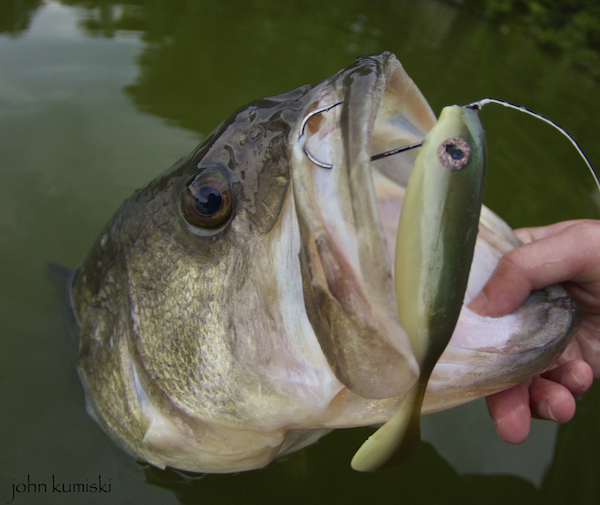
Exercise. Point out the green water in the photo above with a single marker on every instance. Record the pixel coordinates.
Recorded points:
(94, 102)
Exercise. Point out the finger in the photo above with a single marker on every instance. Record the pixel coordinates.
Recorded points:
(511, 413)
(550, 400)
(588, 341)
(573, 254)
(530, 234)
(585, 346)
(577, 376)
(571, 353)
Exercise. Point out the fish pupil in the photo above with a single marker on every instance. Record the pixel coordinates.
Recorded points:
(208, 200)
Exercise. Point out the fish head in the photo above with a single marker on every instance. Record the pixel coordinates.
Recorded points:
(242, 304)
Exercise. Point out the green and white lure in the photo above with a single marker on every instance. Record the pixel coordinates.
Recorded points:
(434, 251)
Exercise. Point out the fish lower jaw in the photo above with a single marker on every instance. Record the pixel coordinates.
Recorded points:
(471, 369)
(546, 315)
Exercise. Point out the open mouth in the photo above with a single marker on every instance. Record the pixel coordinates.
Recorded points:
(348, 207)
(348, 216)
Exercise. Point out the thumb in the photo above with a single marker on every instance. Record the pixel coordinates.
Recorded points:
(571, 254)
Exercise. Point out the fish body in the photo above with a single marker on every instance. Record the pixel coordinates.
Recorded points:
(242, 304)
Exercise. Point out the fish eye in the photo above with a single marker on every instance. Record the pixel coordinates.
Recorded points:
(207, 201)
(454, 153)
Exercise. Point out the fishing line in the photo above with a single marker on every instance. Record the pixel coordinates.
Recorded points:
(478, 105)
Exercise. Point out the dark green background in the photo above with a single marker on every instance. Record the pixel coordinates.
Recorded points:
(97, 98)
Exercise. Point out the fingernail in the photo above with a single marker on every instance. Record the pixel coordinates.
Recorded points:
(545, 406)
(578, 380)
(479, 303)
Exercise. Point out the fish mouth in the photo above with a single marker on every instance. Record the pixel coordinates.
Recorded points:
(348, 218)
(347, 248)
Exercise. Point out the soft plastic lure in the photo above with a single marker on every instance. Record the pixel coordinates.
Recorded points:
(436, 239)
(434, 251)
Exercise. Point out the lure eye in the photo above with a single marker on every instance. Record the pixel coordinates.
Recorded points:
(207, 201)
(454, 153)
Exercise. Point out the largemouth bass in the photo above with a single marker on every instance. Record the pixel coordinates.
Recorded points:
(242, 304)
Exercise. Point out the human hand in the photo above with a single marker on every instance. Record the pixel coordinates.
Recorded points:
(567, 252)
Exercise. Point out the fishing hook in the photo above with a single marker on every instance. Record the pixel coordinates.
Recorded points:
(329, 166)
